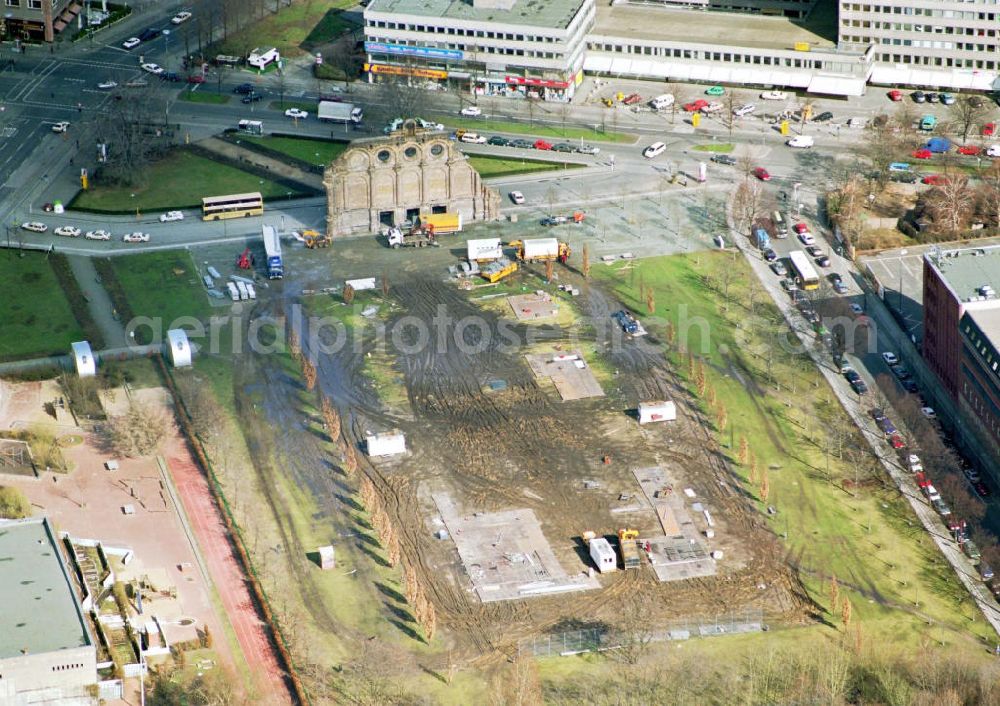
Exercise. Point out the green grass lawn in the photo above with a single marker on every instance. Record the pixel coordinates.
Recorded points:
(162, 285)
(721, 147)
(293, 31)
(179, 180)
(203, 95)
(488, 166)
(37, 319)
(901, 588)
(312, 151)
(548, 130)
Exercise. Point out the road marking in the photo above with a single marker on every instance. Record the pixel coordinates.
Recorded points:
(8, 132)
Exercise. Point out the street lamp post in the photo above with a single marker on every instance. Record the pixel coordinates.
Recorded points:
(901, 254)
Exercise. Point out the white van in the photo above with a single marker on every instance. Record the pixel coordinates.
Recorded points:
(654, 150)
(804, 141)
(473, 137)
(662, 101)
(779, 224)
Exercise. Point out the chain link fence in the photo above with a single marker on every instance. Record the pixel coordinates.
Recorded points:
(597, 639)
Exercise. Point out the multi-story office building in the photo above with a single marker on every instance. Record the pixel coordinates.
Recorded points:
(979, 391)
(486, 47)
(37, 19)
(932, 43)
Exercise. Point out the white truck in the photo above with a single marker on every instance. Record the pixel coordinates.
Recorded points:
(413, 238)
(333, 112)
(540, 248)
(234, 293)
(242, 289)
(251, 291)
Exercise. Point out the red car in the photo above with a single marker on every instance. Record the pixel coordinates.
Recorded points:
(695, 106)
(989, 129)
(632, 99)
(761, 174)
(923, 154)
(542, 145)
(921, 479)
(895, 96)
(982, 490)
(196, 78)
(933, 179)
(897, 442)
(970, 150)
(800, 228)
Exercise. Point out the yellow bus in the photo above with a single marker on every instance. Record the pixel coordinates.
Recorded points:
(214, 208)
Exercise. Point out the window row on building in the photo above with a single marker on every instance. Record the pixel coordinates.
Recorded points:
(459, 31)
(472, 51)
(702, 55)
(922, 11)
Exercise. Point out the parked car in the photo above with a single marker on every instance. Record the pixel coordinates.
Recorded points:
(773, 96)
(890, 358)
(779, 268)
(928, 412)
(931, 97)
(131, 43)
(244, 88)
(823, 260)
(695, 106)
(989, 129)
(948, 98)
(151, 68)
(632, 99)
(136, 237)
(922, 153)
(800, 228)
(941, 507)
(761, 174)
(97, 235)
(982, 490)
(723, 159)
(969, 150)
(471, 111)
(296, 114)
(900, 371)
(807, 238)
(34, 227)
(588, 149)
(171, 216)
(554, 220)
(107, 85)
(744, 110)
(517, 197)
(933, 180)
(654, 150)
(909, 385)
(895, 95)
(823, 117)
(563, 147)
(61, 126)
(252, 98)
(171, 76)
(713, 107)
(69, 231)
(542, 145)
(180, 17)
(196, 78)
(770, 255)
(813, 250)
(498, 141)
(919, 97)
(789, 285)
(715, 91)
(522, 144)
(896, 442)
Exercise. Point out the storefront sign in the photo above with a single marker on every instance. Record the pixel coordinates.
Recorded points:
(405, 71)
(422, 52)
(519, 81)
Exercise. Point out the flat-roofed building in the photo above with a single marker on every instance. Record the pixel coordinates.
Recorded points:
(979, 381)
(38, 19)
(488, 47)
(670, 43)
(47, 654)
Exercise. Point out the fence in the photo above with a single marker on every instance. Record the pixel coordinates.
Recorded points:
(597, 639)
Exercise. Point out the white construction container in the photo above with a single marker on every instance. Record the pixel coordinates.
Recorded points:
(242, 289)
(603, 555)
(484, 249)
(657, 412)
(214, 273)
(234, 293)
(178, 348)
(541, 247)
(251, 291)
(387, 443)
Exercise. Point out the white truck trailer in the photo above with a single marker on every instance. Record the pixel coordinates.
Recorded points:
(485, 249)
(334, 112)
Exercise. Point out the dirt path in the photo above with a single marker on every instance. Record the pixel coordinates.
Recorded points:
(227, 575)
(99, 303)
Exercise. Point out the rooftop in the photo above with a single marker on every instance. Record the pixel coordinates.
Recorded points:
(555, 14)
(707, 27)
(40, 610)
(988, 321)
(965, 270)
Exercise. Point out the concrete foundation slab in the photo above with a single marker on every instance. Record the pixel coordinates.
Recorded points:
(569, 373)
(529, 307)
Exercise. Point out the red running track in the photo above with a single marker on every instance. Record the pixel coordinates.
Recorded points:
(224, 568)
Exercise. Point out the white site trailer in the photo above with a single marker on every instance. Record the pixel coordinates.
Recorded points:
(242, 289)
(485, 249)
(603, 555)
(178, 348)
(234, 293)
(650, 412)
(389, 443)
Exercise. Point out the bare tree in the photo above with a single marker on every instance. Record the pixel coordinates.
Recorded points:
(137, 433)
(950, 205)
(966, 113)
(747, 204)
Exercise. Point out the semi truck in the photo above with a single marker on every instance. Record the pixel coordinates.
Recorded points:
(272, 248)
(339, 112)
(628, 544)
(442, 223)
(541, 249)
(416, 237)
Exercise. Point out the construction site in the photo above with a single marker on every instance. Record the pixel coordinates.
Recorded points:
(524, 454)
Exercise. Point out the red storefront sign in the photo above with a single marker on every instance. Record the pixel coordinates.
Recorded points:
(520, 81)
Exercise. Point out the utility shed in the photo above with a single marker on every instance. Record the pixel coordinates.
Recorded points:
(83, 358)
(178, 348)
(603, 555)
(389, 443)
(657, 412)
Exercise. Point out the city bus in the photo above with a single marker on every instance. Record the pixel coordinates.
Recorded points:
(214, 208)
(805, 274)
